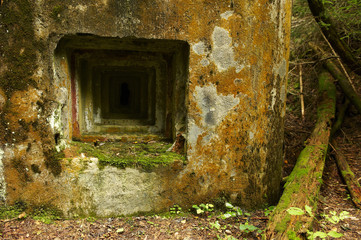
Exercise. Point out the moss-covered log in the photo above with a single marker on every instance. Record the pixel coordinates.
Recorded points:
(303, 184)
(345, 85)
(353, 185)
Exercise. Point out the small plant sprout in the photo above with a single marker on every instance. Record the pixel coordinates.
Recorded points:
(269, 210)
(247, 227)
(203, 208)
(215, 225)
(227, 237)
(175, 209)
(322, 235)
(91, 219)
(232, 211)
(309, 210)
(332, 218)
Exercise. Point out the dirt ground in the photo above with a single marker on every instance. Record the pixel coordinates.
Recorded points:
(152, 227)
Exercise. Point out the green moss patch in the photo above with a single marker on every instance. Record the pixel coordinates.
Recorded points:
(20, 56)
(13, 211)
(46, 214)
(146, 155)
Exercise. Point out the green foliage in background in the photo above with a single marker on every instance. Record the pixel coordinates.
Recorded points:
(345, 16)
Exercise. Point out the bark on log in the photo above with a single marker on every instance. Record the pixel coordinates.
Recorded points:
(303, 184)
(340, 117)
(344, 84)
(340, 77)
(348, 176)
(324, 22)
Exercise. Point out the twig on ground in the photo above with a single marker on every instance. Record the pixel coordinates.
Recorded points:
(301, 95)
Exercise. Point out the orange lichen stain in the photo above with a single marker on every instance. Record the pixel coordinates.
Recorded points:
(74, 165)
(71, 152)
(195, 60)
(37, 194)
(65, 68)
(23, 107)
(13, 184)
(185, 20)
(23, 185)
(226, 83)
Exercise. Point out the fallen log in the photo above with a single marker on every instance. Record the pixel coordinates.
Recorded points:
(341, 111)
(348, 176)
(303, 185)
(346, 87)
(344, 84)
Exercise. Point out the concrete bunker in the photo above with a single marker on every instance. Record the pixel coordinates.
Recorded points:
(124, 86)
(135, 72)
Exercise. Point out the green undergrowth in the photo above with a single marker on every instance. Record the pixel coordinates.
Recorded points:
(46, 214)
(146, 155)
(20, 211)
(13, 211)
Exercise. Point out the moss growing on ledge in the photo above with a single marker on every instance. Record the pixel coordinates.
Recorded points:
(146, 155)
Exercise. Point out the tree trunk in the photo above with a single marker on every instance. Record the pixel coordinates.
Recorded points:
(303, 184)
(318, 10)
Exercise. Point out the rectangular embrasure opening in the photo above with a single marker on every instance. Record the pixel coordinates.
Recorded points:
(125, 86)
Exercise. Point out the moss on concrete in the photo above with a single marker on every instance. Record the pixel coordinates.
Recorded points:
(35, 168)
(146, 155)
(56, 11)
(20, 56)
(52, 161)
(22, 169)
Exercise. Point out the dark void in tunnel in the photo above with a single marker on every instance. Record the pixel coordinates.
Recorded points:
(124, 94)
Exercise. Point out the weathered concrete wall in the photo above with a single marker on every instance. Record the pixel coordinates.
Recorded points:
(235, 103)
